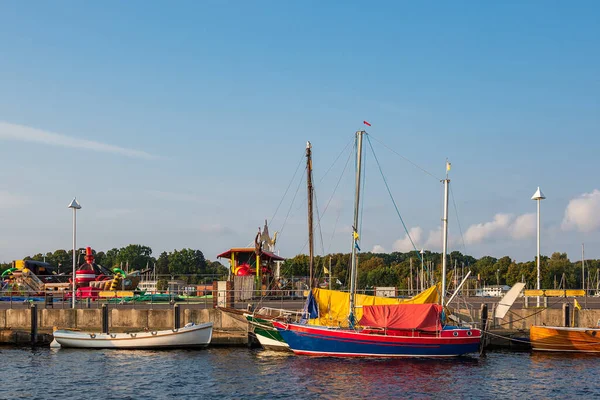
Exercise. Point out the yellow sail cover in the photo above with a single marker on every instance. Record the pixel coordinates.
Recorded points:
(334, 306)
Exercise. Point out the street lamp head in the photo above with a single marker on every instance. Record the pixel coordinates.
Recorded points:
(538, 195)
(74, 204)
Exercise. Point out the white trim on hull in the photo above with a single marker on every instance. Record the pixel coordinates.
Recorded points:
(271, 344)
(188, 336)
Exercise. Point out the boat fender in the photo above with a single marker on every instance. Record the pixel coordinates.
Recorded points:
(93, 335)
(154, 333)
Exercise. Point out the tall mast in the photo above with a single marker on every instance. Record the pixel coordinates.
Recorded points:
(310, 213)
(583, 268)
(445, 230)
(355, 238)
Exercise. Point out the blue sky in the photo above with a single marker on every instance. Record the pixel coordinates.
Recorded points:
(181, 125)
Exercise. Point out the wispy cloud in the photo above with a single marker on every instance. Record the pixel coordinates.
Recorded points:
(23, 133)
(11, 200)
(583, 213)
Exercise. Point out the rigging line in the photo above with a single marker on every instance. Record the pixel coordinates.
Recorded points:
(319, 222)
(290, 209)
(336, 159)
(406, 159)
(336, 185)
(334, 229)
(286, 190)
(392, 197)
(458, 221)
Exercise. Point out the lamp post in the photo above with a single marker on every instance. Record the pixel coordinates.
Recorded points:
(538, 196)
(75, 206)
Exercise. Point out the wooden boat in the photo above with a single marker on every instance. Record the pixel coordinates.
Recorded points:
(565, 339)
(266, 334)
(191, 335)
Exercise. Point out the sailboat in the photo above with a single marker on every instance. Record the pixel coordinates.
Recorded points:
(387, 330)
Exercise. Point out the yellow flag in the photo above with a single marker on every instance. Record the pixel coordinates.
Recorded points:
(355, 235)
(576, 304)
(448, 165)
(326, 270)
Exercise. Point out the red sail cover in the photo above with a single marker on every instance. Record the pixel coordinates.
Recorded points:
(424, 317)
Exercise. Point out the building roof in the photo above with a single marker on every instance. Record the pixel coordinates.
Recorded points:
(265, 254)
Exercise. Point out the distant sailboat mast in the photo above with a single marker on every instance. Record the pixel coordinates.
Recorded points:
(355, 237)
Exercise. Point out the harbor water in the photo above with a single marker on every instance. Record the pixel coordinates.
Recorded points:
(236, 373)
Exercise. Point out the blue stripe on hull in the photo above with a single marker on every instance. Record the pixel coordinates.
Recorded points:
(318, 344)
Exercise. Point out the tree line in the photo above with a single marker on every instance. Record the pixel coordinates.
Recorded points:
(394, 269)
(375, 269)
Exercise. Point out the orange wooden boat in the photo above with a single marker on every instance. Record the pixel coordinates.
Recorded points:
(558, 338)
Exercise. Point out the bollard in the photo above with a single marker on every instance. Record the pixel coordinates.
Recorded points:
(105, 319)
(176, 316)
(34, 324)
(484, 316)
(566, 315)
(484, 320)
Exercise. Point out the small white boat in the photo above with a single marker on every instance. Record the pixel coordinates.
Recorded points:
(191, 335)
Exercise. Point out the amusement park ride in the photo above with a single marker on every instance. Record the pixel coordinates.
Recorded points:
(35, 278)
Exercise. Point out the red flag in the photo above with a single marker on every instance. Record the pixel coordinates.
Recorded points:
(366, 123)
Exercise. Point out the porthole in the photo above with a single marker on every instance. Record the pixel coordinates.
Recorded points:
(455, 333)
(469, 333)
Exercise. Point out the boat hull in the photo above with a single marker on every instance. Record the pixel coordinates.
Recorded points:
(266, 334)
(320, 341)
(564, 339)
(186, 337)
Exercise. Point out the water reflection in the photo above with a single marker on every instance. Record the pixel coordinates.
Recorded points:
(251, 374)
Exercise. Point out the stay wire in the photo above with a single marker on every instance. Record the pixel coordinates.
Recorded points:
(286, 190)
(406, 159)
(462, 237)
(392, 197)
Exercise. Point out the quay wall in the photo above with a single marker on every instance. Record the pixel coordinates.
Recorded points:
(523, 318)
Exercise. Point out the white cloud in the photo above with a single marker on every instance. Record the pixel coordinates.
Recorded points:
(583, 213)
(378, 249)
(10, 200)
(404, 245)
(502, 226)
(23, 133)
(524, 226)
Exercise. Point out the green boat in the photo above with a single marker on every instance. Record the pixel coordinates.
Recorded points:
(266, 334)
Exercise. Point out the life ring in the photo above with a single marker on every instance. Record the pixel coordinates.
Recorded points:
(119, 271)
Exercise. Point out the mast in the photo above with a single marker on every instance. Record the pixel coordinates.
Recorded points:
(355, 237)
(445, 230)
(583, 268)
(310, 213)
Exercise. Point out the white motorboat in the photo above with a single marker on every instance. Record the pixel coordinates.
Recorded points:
(191, 335)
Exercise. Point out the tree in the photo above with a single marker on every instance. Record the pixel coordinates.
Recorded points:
(135, 256)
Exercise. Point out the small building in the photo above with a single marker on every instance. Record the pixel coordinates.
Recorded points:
(492, 291)
(148, 286)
